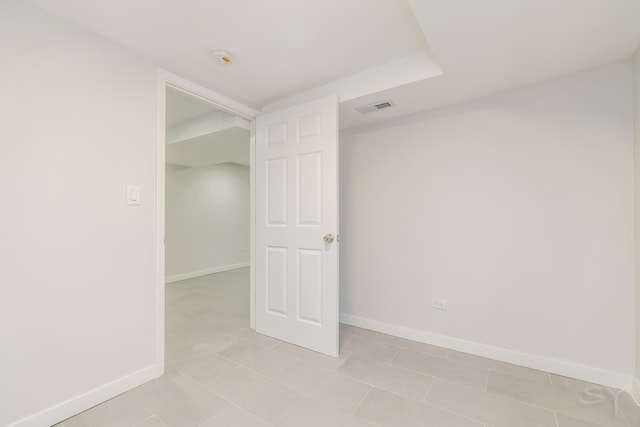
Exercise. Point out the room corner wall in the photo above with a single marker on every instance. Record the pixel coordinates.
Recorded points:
(78, 306)
(207, 220)
(517, 209)
(636, 121)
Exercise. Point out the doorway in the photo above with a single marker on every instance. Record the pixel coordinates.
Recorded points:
(304, 138)
(205, 220)
(206, 227)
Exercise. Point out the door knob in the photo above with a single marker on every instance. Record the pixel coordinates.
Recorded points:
(328, 238)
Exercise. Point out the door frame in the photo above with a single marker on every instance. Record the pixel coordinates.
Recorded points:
(167, 79)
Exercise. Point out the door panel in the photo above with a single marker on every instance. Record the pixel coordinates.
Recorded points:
(296, 206)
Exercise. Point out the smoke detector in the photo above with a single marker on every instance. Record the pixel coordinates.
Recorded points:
(375, 106)
(222, 56)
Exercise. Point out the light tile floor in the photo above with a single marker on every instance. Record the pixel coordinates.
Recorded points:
(221, 374)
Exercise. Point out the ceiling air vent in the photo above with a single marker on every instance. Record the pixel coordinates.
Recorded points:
(375, 106)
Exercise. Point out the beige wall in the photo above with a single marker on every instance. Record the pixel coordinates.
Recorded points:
(207, 219)
(517, 209)
(636, 121)
(77, 311)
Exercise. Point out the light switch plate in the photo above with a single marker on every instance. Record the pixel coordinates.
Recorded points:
(133, 195)
(439, 303)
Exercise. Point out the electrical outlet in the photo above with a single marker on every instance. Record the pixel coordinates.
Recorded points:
(439, 303)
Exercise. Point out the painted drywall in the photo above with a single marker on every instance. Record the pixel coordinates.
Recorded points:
(516, 208)
(207, 218)
(636, 121)
(77, 313)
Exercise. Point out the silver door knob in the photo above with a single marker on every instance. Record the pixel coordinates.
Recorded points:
(328, 238)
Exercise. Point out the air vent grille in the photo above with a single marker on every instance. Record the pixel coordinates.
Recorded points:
(375, 106)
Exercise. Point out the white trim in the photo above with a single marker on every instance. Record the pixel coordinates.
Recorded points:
(555, 366)
(160, 213)
(75, 405)
(167, 79)
(252, 221)
(634, 390)
(205, 272)
(220, 101)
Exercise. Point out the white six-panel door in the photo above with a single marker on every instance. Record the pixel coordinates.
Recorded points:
(296, 263)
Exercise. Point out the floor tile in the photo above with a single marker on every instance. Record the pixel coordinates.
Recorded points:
(234, 416)
(442, 368)
(312, 357)
(258, 358)
(505, 368)
(327, 386)
(119, 411)
(567, 421)
(257, 338)
(215, 366)
(584, 401)
(180, 348)
(392, 410)
(388, 377)
(631, 413)
(151, 422)
(203, 369)
(487, 407)
(367, 347)
(395, 341)
(312, 413)
(178, 401)
(255, 393)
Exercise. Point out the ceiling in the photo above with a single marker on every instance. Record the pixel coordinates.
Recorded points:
(198, 134)
(422, 54)
(182, 108)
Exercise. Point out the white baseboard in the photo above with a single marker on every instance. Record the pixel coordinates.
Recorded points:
(205, 272)
(71, 407)
(555, 366)
(634, 389)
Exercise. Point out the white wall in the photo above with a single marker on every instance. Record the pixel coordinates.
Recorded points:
(636, 121)
(516, 208)
(207, 218)
(78, 296)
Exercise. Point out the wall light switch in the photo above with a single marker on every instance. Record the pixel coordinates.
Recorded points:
(439, 303)
(133, 195)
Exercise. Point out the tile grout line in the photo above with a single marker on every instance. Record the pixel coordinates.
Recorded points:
(287, 412)
(534, 405)
(153, 414)
(449, 360)
(210, 418)
(449, 411)
(446, 351)
(439, 377)
(362, 400)
(522, 402)
(343, 362)
(447, 356)
(232, 403)
(429, 405)
(426, 396)
(401, 347)
(499, 396)
(389, 364)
